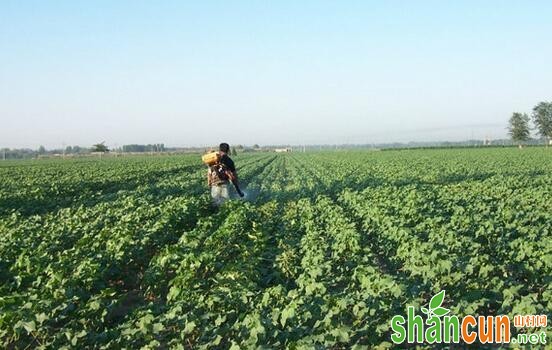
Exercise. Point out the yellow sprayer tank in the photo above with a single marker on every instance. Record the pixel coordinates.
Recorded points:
(210, 158)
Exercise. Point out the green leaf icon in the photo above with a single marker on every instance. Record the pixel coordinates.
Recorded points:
(424, 310)
(440, 311)
(437, 300)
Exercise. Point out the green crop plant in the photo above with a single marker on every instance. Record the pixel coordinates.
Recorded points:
(130, 253)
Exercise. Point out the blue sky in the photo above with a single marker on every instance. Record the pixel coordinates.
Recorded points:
(196, 73)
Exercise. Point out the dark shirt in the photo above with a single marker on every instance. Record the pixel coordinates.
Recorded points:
(228, 162)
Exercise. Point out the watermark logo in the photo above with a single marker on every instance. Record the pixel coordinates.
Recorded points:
(440, 327)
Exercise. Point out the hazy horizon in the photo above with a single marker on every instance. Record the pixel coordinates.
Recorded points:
(194, 74)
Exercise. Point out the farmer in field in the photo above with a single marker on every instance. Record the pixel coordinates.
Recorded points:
(221, 172)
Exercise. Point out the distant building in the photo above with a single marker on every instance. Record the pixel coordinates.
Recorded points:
(282, 150)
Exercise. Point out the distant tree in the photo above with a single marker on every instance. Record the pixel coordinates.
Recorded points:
(542, 118)
(233, 151)
(41, 150)
(255, 146)
(100, 147)
(240, 147)
(519, 127)
(68, 150)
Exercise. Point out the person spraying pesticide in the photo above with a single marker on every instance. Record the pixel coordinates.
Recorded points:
(220, 173)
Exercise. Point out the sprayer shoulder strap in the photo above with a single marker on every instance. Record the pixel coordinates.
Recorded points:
(228, 163)
(218, 172)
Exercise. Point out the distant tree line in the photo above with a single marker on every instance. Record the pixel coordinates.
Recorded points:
(27, 153)
(24, 153)
(158, 147)
(76, 150)
(519, 124)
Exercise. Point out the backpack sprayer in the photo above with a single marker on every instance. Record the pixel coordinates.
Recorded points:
(214, 159)
(211, 158)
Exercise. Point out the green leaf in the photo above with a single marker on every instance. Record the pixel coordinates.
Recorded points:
(286, 314)
(440, 311)
(437, 300)
(217, 340)
(95, 305)
(190, 326)
(158, 327)
(341, 334)
(74, 341)
(29, 326)
(40, 318)
(220, 320)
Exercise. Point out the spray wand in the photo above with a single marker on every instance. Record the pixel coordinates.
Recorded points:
(234, 181)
